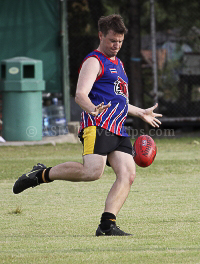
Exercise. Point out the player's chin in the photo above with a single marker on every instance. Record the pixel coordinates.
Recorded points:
(114, 52)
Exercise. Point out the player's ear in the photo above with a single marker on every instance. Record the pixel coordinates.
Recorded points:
(100, 35)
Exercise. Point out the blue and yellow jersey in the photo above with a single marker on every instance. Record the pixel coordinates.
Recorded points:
(111, 86)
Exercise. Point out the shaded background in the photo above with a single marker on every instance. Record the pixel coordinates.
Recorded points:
(33, 29)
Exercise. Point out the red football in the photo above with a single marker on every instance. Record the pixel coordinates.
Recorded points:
(144, 151)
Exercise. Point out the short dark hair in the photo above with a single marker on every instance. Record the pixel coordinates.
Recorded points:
(112, 22)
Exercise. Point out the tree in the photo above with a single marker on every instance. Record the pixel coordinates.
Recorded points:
(171, 14)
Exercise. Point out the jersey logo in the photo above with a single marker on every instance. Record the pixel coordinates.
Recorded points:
(121, 88)
(113, 70)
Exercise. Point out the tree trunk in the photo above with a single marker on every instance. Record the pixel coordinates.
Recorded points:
(135, 78)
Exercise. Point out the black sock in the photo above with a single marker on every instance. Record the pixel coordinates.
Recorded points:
(107, 219)
(46, 176)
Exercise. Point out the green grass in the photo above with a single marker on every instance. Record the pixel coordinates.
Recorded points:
(55, 223)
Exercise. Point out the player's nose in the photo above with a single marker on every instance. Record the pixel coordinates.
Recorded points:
(116, 45)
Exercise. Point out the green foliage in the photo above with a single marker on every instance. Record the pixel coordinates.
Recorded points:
(79, 18)
(172, 14)
(168, 80)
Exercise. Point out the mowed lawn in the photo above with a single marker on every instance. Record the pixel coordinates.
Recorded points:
(56, 222)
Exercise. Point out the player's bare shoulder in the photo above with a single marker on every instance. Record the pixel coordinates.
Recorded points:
(88, 74)
(91, 65)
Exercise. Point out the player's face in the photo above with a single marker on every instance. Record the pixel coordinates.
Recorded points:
(111, 43)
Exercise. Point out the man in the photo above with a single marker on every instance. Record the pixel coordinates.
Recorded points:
(102, 92)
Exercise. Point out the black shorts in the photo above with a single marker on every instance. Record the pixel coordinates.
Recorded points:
(97, 140)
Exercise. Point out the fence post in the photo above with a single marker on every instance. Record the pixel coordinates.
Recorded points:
(65, 59)
(154, 60)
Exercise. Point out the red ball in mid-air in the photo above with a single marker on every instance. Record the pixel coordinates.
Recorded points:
(144, 151)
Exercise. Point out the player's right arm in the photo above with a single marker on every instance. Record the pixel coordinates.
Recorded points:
(147, 115)
(90, 69)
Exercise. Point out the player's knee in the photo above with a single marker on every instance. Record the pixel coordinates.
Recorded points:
(132, 178)
(97, 175)
(93, 174)
(126, 178)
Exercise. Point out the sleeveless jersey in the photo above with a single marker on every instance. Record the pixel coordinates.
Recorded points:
(110, 86)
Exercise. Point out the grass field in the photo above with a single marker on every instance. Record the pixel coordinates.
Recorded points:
(56, 223)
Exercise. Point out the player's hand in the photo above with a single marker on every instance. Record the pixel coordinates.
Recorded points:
(150, 117)
(100, 108)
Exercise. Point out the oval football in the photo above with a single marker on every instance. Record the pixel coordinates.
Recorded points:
(144, 151)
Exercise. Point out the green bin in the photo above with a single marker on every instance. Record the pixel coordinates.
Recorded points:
(22, 85)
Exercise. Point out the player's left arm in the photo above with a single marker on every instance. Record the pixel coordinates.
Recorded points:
(147, 115)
